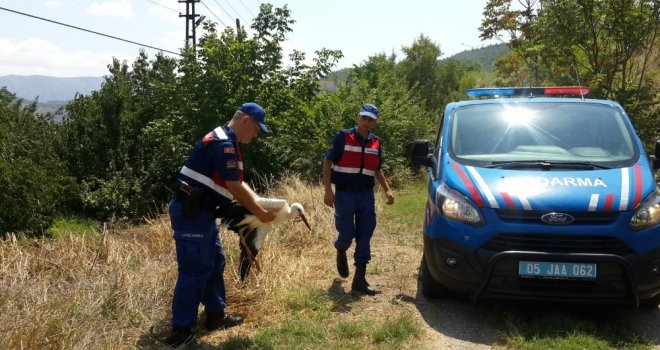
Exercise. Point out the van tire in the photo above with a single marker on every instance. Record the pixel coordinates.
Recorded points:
(650, 303)
(430, 287)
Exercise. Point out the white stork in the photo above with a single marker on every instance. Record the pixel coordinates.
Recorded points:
(252, 231)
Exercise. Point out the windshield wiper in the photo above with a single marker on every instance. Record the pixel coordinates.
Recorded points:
(544, 164)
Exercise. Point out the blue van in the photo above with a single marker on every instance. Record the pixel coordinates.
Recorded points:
(540, 194)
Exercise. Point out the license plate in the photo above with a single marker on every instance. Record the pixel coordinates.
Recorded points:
(558, 270)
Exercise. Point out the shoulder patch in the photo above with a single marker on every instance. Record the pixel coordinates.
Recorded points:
(232, 164)
(230, 150)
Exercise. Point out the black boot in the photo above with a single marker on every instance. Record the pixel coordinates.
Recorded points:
(342, 263)
(180, 336)
(220, 320)
(360, 283)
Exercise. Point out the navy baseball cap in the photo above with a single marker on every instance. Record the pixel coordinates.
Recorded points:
(255, 112)
(369, 110)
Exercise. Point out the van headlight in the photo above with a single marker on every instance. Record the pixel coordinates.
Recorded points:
(647, 213)
(455, 206)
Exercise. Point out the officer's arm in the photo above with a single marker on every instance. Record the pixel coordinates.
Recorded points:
(332, 156)
(250, 191)
(329, 197)
(383, 182)
(244, 195)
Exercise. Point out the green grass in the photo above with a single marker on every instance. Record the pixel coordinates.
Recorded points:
(408, 207)
(73, 225)
(569, 330)
(294, 333)
(316, 332)
(393, 333)
(306, 298)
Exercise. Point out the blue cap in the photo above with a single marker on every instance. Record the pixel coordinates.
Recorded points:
(255, 112)
(369, 110)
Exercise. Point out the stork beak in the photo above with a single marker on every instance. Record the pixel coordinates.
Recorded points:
(304, 219)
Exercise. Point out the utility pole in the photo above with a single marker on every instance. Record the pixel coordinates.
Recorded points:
(191, 23)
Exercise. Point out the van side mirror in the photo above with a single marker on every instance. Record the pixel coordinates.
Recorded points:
(655, 158)
(420, 153)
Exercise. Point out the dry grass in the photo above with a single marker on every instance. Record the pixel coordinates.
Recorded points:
(113, 291)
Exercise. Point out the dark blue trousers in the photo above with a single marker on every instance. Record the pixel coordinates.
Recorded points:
(201, 264)
(355, 218)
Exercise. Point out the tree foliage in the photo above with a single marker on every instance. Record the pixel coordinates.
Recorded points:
(32, 177)
(119, 149)
(612, 46)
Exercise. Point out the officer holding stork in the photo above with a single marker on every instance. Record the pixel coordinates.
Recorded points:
(209, 186)
(353, 164)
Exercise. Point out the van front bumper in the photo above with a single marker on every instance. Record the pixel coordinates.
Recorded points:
(621, 279)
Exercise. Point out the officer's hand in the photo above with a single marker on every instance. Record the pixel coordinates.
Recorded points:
(329, 199)
(390, 197)
(266, 216)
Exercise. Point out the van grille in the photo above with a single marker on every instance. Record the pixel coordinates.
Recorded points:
(581, 217)
(557, 243)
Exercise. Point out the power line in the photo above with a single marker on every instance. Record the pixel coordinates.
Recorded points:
(223, 9)
(232, 7)
(89, 31)
(161, 5)
(213, 13)
(247, 8)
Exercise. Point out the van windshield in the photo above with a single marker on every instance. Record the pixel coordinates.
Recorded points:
(589, 133)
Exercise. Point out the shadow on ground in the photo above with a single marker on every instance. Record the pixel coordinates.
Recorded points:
(486, 322)
(342, 299)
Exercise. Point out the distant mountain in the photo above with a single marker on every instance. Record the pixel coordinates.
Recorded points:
(48, 89)
(58, 90)
(485, 56)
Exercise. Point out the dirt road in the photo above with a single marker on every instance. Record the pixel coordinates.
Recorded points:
(457, 322)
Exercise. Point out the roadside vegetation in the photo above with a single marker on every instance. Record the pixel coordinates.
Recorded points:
(86, 255)
(112, 290)
(112, 155)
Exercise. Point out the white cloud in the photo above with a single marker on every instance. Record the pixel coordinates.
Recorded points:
(40, 57)
(52, 3)
(112, 8)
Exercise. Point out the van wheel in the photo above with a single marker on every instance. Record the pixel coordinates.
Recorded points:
(430, 287)
(650, 303)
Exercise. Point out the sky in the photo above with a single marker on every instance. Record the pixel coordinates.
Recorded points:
(359, 28)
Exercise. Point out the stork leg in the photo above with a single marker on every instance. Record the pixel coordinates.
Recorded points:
(232, 215)
(249, 253)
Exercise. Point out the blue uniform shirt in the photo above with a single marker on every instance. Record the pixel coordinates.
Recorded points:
(214, 157)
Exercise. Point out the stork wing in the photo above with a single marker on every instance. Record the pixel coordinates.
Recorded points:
(272, 203)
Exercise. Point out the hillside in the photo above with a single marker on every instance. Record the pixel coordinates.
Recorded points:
(485, 56)
(53, 92)
(47, 89)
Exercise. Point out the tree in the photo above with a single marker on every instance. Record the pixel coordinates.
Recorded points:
(32, 177)
(610, 45)
(127, 141)
(520, 26)
(420, 69)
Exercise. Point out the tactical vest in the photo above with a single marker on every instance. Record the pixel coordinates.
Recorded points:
(199, 170)
(356, 159)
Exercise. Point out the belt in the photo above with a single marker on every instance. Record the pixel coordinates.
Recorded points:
(182, 192)
(346, 188)
(180, 196)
